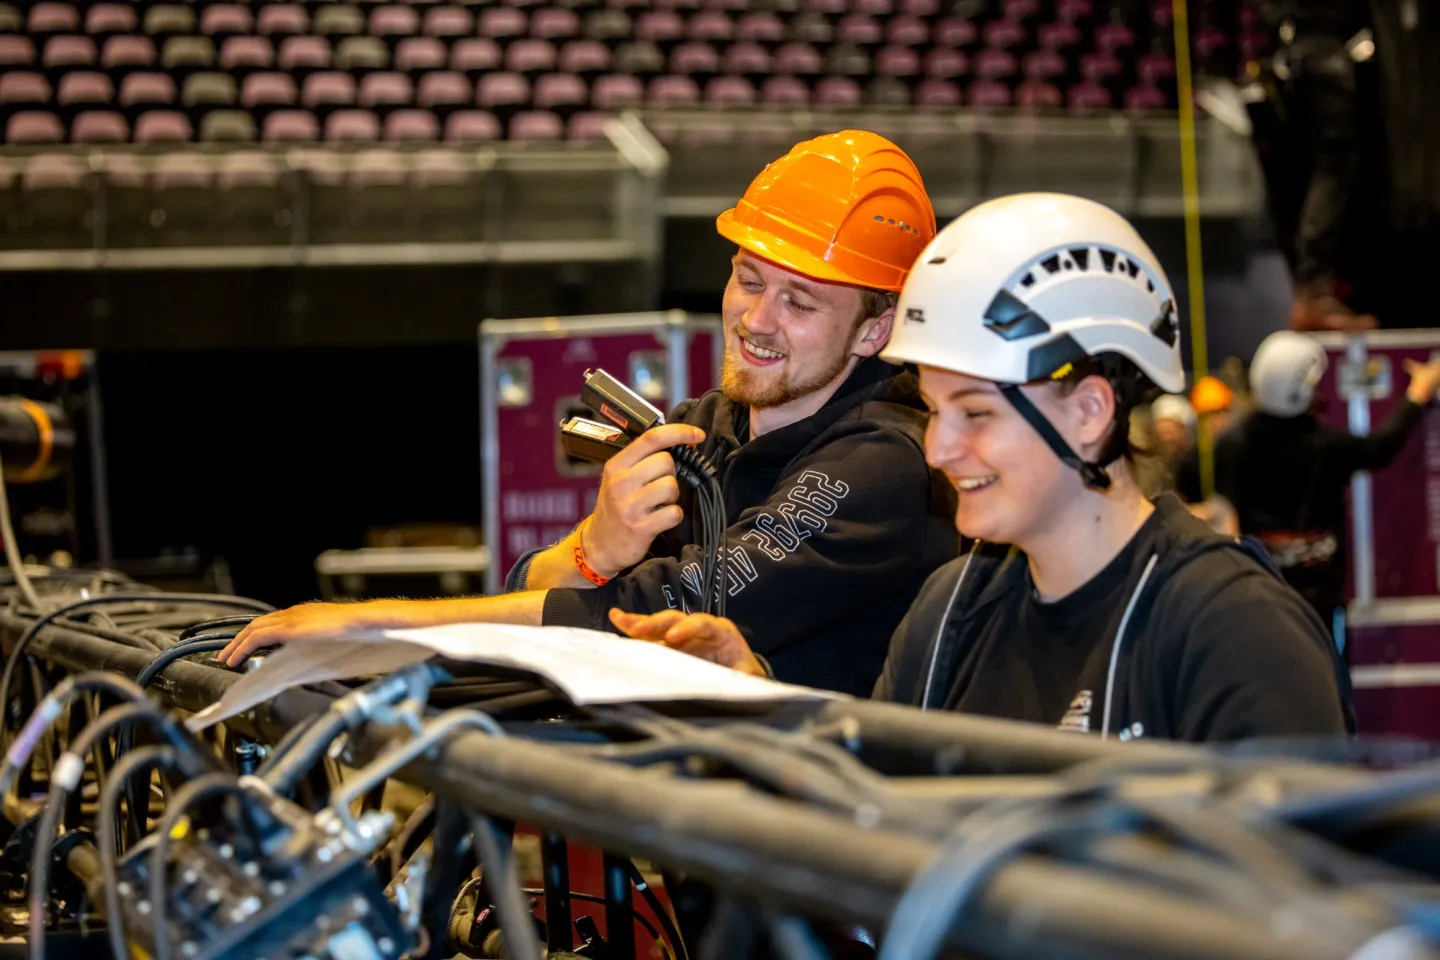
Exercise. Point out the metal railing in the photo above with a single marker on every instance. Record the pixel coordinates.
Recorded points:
(1131, 163)
(212, 206)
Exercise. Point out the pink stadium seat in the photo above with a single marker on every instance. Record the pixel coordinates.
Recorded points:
(220, 19)
(531, 125)
(500, 90)
(444, 89)
(784, 92)
(99, 126)
(617, 92)
(448, 22)
(268, 90)
(299, 53)
(34, 126)
(290, 126)
(328, 89)
(837, 92)
(104, 19)
(146, 89)
(68, 51)
(167, 126)
(468, 126)
(246, 53)
(411, 125)
(283, 19)
(348, 126)
(84, 87)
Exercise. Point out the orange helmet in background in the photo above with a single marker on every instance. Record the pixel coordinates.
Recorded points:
(847, 207)
(1211, 395)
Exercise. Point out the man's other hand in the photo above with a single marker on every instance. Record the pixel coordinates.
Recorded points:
(308, 621)
(699, 634)
(638, 500)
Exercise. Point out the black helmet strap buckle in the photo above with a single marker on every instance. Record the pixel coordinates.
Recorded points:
(1093, 474)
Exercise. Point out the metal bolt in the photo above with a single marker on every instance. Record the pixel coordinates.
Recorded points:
(143, 908)
(189, 876)
(226, 851)
(324, 854)
(213, 895)
(189, 949)
(385, 945)
(249, 905)
(276, 888)
(251, 869)
(124, 888)
(360, 905)
(322, 923)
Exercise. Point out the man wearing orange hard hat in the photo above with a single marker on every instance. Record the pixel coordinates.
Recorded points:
(833, 518)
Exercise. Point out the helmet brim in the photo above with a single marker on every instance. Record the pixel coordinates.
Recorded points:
(791, 256)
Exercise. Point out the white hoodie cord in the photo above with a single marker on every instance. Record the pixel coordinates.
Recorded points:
(1120, 641)
(940, 633)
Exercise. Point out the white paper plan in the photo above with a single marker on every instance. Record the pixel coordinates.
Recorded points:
(588, 665)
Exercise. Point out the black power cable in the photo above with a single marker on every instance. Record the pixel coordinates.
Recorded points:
(17, 653)
(107, 835)
(65, 778)
(205, 643)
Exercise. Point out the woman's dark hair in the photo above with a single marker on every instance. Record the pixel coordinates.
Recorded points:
(1132, 389)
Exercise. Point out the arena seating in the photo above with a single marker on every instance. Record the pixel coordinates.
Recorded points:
(463, 71)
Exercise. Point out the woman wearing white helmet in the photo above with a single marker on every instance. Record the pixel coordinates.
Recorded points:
(1286, 473)
(1039, 322)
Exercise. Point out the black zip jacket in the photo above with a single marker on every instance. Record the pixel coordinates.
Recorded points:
(1211, 644)
(1286, 477)
(833, 522)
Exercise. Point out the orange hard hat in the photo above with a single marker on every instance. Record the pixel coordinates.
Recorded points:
(848, 207)
(1211, 395)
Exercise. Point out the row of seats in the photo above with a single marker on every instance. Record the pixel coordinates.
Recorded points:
(281, 19)
(301, 126)
(52, 16)
(755, 30)
(466, 124)
(551, 78)
(239, 169)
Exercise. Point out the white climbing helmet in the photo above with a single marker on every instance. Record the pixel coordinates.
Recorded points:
(1285, 371)
(1172, 406)
(1020, 286)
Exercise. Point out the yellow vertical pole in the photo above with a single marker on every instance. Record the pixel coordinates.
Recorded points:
(1190, 190)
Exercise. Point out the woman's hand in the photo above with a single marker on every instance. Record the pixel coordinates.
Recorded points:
(699, 634)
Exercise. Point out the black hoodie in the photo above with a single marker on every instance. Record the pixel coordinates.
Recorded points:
(1185, 635)
(1287, 477)
(834, 522)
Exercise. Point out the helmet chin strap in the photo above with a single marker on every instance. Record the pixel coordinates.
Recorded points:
(1093, 474)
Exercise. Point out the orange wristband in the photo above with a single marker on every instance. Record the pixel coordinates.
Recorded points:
(585, 569)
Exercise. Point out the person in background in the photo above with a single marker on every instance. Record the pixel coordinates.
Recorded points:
(1214, 404)
(834, 520)
(1286, 473)
(1039, 322)
(1174, 423)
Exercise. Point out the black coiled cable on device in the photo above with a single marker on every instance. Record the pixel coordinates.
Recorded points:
(694, 469)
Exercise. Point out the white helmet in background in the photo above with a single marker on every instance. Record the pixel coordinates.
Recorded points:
(1173, 406)
(1021, 288)
(1284, 373)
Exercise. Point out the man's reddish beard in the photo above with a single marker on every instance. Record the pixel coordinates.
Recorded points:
(755, 388)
